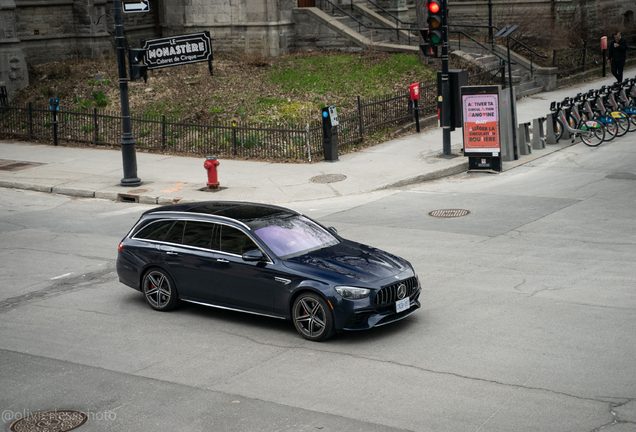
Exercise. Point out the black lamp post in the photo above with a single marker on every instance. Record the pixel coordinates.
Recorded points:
(127, 143)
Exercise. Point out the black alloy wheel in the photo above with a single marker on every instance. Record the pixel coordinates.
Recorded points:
(312, 317)
(159, 290)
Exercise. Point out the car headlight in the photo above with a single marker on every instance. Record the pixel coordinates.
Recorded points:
(352, 292)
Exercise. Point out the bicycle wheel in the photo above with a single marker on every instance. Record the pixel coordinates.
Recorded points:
(622, 121)
(592, 133)
(572, 121)
(631, 112)
(558, 129)
(611, 129)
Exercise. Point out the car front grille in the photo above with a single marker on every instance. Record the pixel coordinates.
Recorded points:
(388, 295)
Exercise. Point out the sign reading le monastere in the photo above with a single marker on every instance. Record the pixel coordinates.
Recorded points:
(178, 50)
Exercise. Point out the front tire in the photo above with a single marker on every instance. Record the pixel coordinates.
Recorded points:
(558, 129)
(595, 135)
(159, 290)
(623, 124)
(313, 317)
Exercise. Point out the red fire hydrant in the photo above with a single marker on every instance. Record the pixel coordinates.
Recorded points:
(210, 164)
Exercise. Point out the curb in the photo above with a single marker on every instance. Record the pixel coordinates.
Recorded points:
(167, 200)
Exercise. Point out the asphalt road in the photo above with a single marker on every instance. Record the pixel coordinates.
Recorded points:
(527, 324)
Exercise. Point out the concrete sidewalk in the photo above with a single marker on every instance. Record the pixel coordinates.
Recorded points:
(91, 172)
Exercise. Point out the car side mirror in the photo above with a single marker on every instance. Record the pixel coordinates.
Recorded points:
(333, 230)
(253, 255)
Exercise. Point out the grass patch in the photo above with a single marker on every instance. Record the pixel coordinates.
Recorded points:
(350, 75)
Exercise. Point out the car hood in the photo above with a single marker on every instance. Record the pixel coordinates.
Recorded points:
(352, 260)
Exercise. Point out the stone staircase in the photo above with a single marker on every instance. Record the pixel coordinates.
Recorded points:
(349, 31)
(522, 76)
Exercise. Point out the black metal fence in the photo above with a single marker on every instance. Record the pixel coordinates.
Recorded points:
(583, 58)
(244, 140)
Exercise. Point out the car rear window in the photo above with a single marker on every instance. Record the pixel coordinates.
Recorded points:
(155, 230)
(175, 235)
(294, 236)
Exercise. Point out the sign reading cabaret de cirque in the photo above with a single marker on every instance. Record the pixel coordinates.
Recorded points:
(178, 50)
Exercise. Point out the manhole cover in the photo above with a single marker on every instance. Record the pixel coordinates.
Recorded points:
(137, 191)
(328, 178)
(49, 421)
(448, 213)
(10, 165)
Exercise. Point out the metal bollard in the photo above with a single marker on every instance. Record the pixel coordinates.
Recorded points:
(524, 139)
(538, 133)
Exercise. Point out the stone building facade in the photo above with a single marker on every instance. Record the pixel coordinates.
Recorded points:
(37, 31)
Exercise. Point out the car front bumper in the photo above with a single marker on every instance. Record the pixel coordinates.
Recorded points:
(364, 317)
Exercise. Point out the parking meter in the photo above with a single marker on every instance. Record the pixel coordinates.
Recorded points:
(330, 133)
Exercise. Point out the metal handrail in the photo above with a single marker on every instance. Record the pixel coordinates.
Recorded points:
(481, 45)
(390, 14)
(360, 23)
(397, 26)
(497, 28)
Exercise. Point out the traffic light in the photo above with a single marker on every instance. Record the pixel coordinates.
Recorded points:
(435, 12)
(428, 49)
(136, 67)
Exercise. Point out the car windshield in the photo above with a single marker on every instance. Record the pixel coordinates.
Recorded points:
(294, 236)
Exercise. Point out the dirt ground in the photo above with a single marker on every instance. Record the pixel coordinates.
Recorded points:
(240, 88)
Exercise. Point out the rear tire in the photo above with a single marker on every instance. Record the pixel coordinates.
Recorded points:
(159, 290)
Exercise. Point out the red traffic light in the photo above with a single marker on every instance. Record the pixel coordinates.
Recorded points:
(433, 6)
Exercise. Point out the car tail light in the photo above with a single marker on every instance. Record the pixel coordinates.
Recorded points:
(120, 247)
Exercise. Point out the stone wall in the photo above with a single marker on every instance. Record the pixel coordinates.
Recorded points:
(13, 69)
(63, 29)
(253, 26)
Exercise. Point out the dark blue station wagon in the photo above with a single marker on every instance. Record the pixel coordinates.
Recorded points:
(265, 260)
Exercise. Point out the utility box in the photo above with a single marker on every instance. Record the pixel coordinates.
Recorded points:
(457, 78)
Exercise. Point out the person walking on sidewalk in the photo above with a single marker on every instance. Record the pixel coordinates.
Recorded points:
(617, 55)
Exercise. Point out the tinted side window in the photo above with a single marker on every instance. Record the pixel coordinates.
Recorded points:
(175, 235)
(155, 230)
(198, 234)
(235, 241)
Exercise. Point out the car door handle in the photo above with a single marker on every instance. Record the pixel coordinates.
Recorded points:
(171, 253)
(221, 260)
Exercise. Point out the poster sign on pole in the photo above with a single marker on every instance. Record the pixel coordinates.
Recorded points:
(482, 140)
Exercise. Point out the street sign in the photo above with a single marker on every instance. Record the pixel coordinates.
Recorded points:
(178, 50)
(134, 7)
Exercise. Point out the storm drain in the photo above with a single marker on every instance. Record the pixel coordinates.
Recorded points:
(448, 213)
(128, 198)
(328, 178)
(10, 165)
(49, 421)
